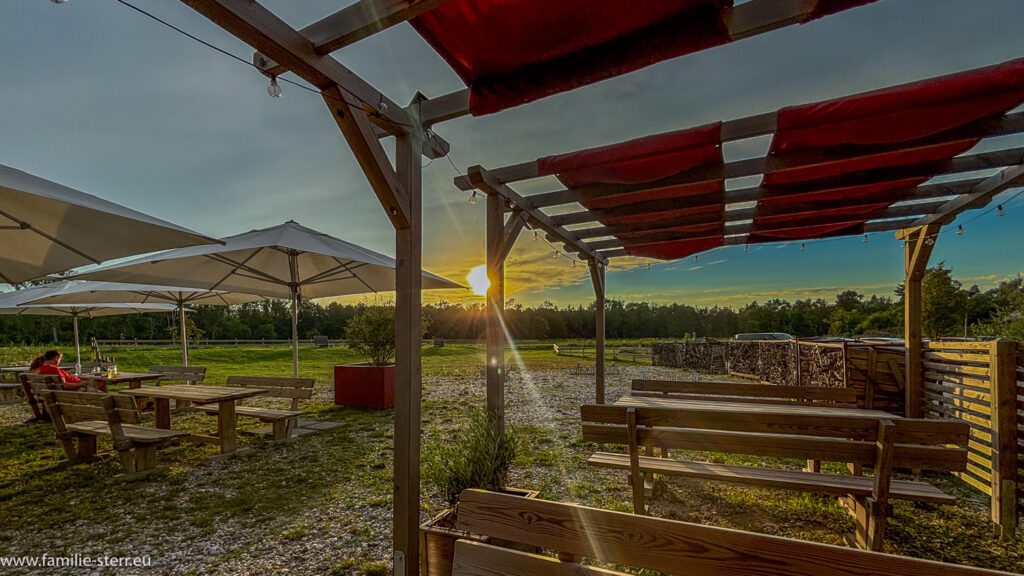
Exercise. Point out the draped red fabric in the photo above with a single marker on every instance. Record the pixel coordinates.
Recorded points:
(638, 161)
(807, 232)
(873, 136)
(646, 160)
(510, 52)
(676, 248)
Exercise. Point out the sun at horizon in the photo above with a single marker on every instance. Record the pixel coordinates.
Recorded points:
(478, 280)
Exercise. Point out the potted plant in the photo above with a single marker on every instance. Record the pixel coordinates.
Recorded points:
(371, 334)
(477, 455)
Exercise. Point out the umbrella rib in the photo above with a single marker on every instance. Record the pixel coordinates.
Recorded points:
(242, 265)
(26, 226)
(356, 276)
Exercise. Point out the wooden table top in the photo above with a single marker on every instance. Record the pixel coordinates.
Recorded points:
(197, 394)
(746, 407)
(121, 377)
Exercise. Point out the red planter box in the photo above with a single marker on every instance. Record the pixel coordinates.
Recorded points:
(364, 386)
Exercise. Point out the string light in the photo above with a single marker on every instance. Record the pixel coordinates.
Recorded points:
(1000, 211)
(535, 235)
(573, 263)
(746, 248)
(273, 89)
(929, 241)
(472, 200)
(555, 254)
(59, 1)
(648, 265)
(960, 230)
(696, 258)
(865, 238)
(803, 247)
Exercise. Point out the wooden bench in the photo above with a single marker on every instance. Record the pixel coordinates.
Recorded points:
(576, 533)
(9, 391)
(786, 432)
(83, 416)
(741, 392)
(35, 384)
(179, 374)
(321, 342)
(283, 421)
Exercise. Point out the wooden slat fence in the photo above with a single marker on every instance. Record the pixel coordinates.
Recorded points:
(978, 382)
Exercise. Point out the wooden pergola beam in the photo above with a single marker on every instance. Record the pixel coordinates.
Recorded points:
(484, 182)
(252, 23)
(746, 227)
(741, 239)
(740, 130)
(743, 21)
(918, 247)
(981, 195)
(739, 196)
(353, 23)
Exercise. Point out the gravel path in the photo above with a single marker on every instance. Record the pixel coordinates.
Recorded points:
(349, 530)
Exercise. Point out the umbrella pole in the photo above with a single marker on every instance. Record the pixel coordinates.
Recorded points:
(295, 333)
(184, 334)
(78, 347)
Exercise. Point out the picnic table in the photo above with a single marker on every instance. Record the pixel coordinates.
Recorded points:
(223, 396)
(750, 407)
(134, 379)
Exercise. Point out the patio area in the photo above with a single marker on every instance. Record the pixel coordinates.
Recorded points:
(321, 504)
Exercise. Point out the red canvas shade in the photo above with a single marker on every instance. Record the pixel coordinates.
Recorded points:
(510, 52)
(914, 124)
(648, 160)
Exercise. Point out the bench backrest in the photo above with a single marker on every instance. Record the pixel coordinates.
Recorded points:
(35, 384)
(643, 542)
(186, 374)
(740, 392)
(294, 388)
(320, 341)
(930, 444)
(76, 406)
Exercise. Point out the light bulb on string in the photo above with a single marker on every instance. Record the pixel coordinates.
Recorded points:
(554, 254)
(535, 235)
(960, 230)
(865, 238)
(648, 265)
(929, 241)
(273, 89)
(472, 200)
(746, 248)
(1000, 211)
(803, 247)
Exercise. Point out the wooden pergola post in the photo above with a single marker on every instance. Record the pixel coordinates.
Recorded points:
(918, 245)
(495, 309)
(597, 276)
(408, 335)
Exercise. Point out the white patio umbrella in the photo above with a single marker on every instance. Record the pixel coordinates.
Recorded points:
(47, 228)
(8, 305)
(86, 292)
(286, 261)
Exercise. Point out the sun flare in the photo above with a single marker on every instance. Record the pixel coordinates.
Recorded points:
(478, 280)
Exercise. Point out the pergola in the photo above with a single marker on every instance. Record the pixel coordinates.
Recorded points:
(667, 202)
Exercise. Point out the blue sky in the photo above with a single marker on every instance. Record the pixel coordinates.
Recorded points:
(97, 97)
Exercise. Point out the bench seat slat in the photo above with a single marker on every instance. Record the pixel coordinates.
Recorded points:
(478, 559)
(140, 434)
(268, 414)
(773, 478)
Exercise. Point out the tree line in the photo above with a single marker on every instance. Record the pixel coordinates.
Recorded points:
(950, 309)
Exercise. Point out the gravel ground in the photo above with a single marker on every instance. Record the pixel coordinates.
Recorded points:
(349, 530)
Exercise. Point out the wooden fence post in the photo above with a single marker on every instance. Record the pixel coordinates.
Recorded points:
(1003, 370)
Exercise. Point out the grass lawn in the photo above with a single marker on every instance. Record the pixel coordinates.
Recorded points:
(321, 504)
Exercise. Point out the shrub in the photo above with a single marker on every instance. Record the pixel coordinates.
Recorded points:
(477, 455)
(371, 333)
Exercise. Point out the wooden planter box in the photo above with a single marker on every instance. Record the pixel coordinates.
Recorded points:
(437, 541)
(364, 386)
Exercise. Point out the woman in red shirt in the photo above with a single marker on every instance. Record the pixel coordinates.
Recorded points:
(49, 362)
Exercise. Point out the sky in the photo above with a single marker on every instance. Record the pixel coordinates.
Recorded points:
(97, 97)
